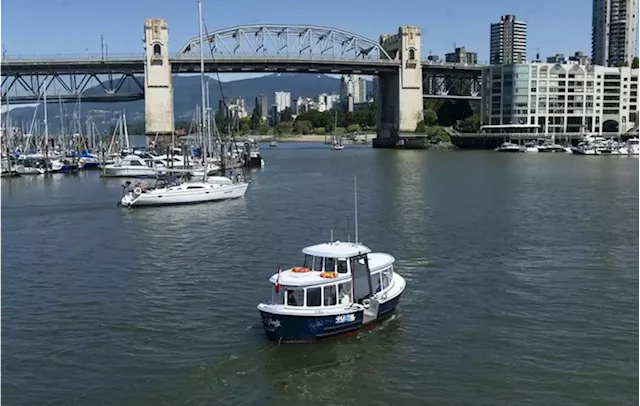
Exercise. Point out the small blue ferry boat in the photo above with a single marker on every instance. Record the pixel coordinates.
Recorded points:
(340, 287)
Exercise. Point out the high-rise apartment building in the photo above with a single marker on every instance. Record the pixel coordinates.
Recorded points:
(263, 106)
(508, 41)
(283, 100)
(461, 55)
(614, 38)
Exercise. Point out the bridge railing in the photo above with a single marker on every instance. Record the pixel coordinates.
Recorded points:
(70, 56)
(14, 58)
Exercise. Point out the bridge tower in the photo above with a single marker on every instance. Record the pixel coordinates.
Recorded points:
(399, 98)
(158, 87)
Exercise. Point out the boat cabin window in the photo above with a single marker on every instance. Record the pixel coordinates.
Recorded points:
(329, 264)
(375, 282)
(317, 263)
(342, 266)
(330, 295)
(295, 297)
(308, 261)
(195, 187)
(134, 163)
(344, 293)
(278, 297)
(385, 277)
(314, 297)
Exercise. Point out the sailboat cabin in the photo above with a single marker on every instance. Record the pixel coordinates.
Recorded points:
(333, 274)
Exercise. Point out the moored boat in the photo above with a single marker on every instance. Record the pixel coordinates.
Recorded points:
(509, 147)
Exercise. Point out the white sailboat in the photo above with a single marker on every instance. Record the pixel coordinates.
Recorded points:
(207, 190)
(335, 144)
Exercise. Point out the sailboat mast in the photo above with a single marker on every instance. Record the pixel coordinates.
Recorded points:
(46, 132)
(125, 128)
(355, 202)
(204, 103)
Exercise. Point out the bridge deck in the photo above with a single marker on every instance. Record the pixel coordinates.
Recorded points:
(135, 65)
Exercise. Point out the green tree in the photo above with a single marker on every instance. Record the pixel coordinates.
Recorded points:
(353, 128)
(302, 127)
(286, 115)
(470, 124)
(263, 129)
(430, 117)
(421, 127)
(244, 122)
(319, 131)
(635, 63)
(437, 134)
(284, 128)
(256, 119)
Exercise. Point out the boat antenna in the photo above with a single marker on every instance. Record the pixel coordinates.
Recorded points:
(355, 203)
(348, 228)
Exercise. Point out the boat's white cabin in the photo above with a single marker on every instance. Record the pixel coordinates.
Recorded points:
(133, 160)
(333, 274)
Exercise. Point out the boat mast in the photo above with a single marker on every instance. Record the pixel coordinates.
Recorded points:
(204, 104)
(355, 202)
(125, 128)
(46, 132)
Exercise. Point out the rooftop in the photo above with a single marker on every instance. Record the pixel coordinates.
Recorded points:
(336, 250)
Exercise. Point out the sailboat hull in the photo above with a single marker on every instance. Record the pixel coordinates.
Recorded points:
(163, 197)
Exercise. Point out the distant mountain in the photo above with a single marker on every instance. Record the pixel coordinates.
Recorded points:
(186, 95)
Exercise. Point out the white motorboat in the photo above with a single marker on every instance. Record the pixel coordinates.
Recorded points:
(551, 147)
(531, 147)
(509, 147)
(633, 146)
(340, 287)
(336, 146)
(132, 166)
(273, 144)
(167, 193)
(29, 170)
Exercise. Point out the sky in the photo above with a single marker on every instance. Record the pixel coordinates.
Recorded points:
(68, 27)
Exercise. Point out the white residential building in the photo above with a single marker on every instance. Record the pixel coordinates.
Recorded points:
(283, 100)
(326, 101)
(556, 98)
(614, 39)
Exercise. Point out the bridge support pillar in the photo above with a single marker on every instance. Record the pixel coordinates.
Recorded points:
(158, 87)
(399, 98)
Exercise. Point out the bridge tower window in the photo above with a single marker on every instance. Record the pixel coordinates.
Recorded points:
(412, 54)
(157, 50)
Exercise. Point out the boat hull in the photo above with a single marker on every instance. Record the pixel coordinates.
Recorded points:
(120, 172)
(301, 328)
(187, 197)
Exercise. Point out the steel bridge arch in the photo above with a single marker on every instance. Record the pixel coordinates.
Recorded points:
(285, 41)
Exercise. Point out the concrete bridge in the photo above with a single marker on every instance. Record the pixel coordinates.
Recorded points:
(395, 59)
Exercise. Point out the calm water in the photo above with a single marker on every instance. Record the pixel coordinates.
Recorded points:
(522, 284)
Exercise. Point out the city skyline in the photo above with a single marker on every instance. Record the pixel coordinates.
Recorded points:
(123, 33)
